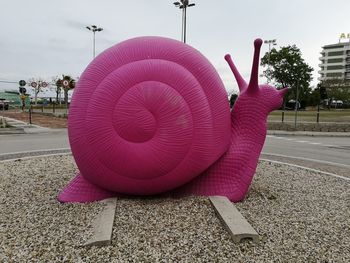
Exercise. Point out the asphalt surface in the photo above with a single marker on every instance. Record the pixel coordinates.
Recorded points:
(331, 154)
(11, 143)
(332, 150)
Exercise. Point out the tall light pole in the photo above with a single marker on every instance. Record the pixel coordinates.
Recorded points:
(183, 4)
(269, 42)
(296, 76)
(296, 104)
(94, 29)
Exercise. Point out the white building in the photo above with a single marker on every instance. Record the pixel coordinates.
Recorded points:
(335, 61)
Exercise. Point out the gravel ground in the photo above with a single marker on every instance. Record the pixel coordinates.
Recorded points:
(300, 215)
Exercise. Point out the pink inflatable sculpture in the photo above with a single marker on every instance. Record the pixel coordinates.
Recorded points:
(150, 115)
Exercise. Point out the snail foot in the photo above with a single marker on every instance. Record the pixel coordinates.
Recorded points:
(80, 190)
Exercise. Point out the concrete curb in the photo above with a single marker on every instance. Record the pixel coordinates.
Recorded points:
(309, 133)
(17, 130)
(12, 130)
(310, 126)
(6, 157)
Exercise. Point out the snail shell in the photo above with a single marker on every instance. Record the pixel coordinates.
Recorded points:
(148, 115)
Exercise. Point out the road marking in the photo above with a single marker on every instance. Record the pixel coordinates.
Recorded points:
(299, 141)
(307, 168)
(306, 159)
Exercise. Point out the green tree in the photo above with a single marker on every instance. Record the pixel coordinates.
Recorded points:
(71, 85)
(313, 98)
(336, 89)
(287, 68)
(58, 83)
(233, 98)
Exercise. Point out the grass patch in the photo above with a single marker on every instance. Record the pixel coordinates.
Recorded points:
(311, 116)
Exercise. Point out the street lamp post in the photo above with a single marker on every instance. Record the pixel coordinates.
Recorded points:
(269, 42)
(183, 4)
(318, 104)
(296, 104)
(94, 29)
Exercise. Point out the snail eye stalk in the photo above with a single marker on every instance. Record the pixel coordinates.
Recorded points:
(253, 83)
(242, 85)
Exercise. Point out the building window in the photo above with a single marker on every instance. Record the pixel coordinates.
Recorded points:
(336, 53)
(331, 47)
(334, 75)
(335, 60)
(334, 67)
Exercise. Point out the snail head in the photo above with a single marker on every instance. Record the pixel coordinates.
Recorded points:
(268, 95)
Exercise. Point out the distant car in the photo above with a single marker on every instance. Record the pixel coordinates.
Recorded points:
(290, 105)
(336, 103)
(4, 104)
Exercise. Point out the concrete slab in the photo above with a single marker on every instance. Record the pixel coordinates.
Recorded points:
(103, 225)
(233, 220)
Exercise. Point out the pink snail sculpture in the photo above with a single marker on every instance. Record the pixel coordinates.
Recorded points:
(150, 115)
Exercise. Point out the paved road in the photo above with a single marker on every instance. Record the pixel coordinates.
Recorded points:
(33, 142)
(328, 149)
(309, 151)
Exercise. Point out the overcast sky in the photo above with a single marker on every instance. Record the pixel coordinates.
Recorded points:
(48, 38)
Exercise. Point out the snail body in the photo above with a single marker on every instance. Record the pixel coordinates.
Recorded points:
(150, 115)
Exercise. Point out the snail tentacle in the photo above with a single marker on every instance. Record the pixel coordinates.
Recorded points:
(253, 83)
(242, 85)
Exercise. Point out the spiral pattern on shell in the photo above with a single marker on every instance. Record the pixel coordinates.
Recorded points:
(148, 115)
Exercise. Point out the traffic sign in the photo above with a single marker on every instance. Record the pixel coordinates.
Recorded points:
(22, 82)
(34, 84)
(44, 84)
(22, 90)
(65, 83)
